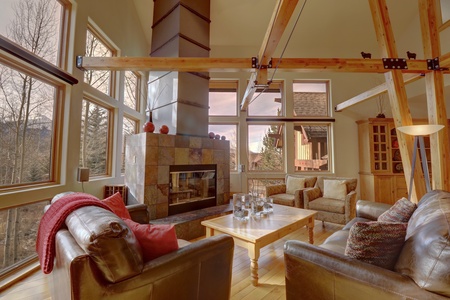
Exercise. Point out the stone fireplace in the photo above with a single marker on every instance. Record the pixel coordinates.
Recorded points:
(150, 157)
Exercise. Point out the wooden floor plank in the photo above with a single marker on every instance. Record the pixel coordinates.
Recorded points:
(271, 272)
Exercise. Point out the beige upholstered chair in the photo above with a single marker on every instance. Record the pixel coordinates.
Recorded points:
(291, 192)
(334, 198)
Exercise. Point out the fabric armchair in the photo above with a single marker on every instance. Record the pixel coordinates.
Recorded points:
(334, 199)
(290, 193)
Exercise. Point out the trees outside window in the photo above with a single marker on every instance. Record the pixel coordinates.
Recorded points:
(132, 88)
(97, 47)
(30, 101)
(265, 147)
(95, 133)
(129, 128)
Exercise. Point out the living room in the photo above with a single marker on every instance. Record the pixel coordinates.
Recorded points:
(237, 30)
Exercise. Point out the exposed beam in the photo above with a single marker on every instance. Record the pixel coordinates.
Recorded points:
(373, 92)
(277, 25)
(397, 95)
(197, 64)
(437, 113)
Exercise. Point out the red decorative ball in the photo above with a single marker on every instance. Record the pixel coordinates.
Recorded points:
(164, 129)
(211, 135)
(148, 127)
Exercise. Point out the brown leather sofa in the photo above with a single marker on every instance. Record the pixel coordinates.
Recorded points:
(422, 270)
(98, 257)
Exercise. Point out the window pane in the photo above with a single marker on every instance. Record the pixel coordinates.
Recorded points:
(26, 128)
(265, 144)
(266, 102)
(311, 99)
(18, 232)
(223, 98)
(94, 138)
(101, 80)
(257, 186)
(445, 10)
(311, 147)
(229, 131)
(129, 128)
(34, 25)
(131, 95)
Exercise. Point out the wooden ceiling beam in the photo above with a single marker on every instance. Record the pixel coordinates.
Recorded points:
(277, 25)
(373, 92)
(197, 64)
(437, 113)
(397, 95)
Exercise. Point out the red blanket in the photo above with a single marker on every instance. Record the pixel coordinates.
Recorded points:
(52, 221)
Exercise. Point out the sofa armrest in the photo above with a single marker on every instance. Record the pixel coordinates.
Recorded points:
(310, 194)
(139, 213)
(202, 268)
(318, 273)
(370, 210)
(299, 201)
(350, 206)
(275, 189)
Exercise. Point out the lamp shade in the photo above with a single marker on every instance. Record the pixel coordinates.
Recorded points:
(418, 130)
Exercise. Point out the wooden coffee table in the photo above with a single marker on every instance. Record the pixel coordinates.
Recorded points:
(258, 232)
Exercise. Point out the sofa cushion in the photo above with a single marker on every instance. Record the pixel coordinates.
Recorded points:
(329, 205)
(116, 204)
(377, 243)
(107, 240)
(334, 189)
(155, 240)
(425, 256)
(283, 199)
(293, 184)
(401, 211)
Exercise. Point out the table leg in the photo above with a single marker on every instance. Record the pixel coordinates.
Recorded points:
(209, 232)
(311, 230)
(253, 253)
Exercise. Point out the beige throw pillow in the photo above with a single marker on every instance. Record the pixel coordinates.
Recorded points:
(334, 189)
(293, 184)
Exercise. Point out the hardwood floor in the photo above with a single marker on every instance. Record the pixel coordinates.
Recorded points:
(271, 271)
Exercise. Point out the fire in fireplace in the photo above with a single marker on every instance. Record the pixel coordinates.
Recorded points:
(191, 187)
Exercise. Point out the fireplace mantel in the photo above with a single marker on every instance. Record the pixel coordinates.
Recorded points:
(150, 155)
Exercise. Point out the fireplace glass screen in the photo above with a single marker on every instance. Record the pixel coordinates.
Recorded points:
(191, 187)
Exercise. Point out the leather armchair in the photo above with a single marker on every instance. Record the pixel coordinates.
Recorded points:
(333, 210)
(279, 195)
(98, 257)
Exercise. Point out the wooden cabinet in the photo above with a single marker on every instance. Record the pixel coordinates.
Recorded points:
(381, 170)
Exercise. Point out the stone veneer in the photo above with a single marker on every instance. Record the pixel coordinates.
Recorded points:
(149, 155)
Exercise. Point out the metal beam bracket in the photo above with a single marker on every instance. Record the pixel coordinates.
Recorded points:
(256, 65)
(79, 61)
(433, 64)
(395, 63)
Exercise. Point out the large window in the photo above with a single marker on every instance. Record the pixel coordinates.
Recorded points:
(311, 139)
(98, 47)
(95, 133)
(267, 101)
(31, 101)
(223, 102)
(229, 131)
(129, 128)
(265, 147)
(131, 91)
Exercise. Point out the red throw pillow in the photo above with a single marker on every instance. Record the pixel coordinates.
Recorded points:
(116, 204)
(155, 240)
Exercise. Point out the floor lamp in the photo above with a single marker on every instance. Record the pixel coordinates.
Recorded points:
(419, 131)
